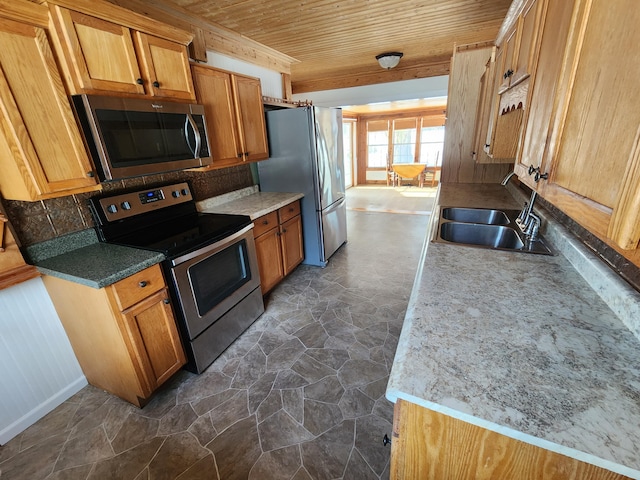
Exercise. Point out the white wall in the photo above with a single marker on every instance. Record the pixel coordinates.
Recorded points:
(38, 369)
(271, 80)
(382, 92)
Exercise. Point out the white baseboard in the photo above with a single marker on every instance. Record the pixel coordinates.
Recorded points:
(41, 410)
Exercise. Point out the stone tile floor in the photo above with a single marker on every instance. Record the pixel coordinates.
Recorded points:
(300, 395)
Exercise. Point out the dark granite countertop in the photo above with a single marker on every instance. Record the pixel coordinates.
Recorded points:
(80, 258)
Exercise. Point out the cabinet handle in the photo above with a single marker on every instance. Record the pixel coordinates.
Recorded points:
(142, 283)
(156, 84)
(166, 301)
(386, 440)
(90, 174)
(139, 81)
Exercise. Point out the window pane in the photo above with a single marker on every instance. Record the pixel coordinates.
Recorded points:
(431, 143)
(404, 145)
(377, 147)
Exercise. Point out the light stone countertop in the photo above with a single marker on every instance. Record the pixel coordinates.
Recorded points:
(248, 201)
(522, 345)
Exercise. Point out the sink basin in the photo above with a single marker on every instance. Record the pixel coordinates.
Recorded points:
(475, 215)
(493, 236)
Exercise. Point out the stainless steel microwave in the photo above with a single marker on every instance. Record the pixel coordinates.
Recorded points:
(128, 137)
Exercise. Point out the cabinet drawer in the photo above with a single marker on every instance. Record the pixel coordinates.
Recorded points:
(265, 223)
(289, 211)
(131, 290)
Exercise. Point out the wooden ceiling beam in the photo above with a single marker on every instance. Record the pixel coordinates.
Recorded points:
(216, 37)
(360, 78)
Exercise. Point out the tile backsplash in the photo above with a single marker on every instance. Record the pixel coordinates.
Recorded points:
(36, 222)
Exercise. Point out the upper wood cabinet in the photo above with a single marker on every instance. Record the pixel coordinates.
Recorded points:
(42, 154)
(580, 148)
(106, 57)
(515, 61)
(235, 116)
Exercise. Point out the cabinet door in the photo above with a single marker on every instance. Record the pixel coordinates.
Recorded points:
(529, 27)
(152, 331)
(431, 446)
(214, 92)
(250, 111)
(41, 150)
(554, 28)
(101, 54)
(291, 238)
(269, 253)
(595, 134)
(165, 66)
(509, 49)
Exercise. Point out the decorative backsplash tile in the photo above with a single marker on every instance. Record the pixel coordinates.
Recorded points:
(37, 222)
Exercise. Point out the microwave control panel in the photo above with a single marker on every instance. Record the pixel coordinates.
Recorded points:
(126, 205)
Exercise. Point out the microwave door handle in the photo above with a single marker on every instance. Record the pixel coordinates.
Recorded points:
(196, 133)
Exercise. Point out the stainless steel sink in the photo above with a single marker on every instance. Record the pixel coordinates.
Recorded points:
(494, 236)
(486, 228)
(475, 215)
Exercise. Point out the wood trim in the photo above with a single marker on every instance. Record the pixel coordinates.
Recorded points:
(217, 38)
(24, 11)
(516, 8)
(287, 93)
(437, 67)
(131, 19)
(625, 221)
(9, 278)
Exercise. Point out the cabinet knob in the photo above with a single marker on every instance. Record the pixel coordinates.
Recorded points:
(265, 222)
(507, 74)
(284, 230)
(166, 301)
(90, 174)
(240, 155)
(139, 81)
(539, 176)
(156, 84)
(246, 154)
(487, 145)
(531, 170)
(142, 283)
(386, 440)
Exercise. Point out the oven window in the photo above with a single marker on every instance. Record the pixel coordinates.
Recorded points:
(218, 276)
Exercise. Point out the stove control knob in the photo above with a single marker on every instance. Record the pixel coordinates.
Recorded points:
(185, 192)
(125, 205)
(112, 208)
(175, 194)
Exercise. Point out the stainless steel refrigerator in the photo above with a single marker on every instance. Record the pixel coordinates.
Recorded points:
(305, 146)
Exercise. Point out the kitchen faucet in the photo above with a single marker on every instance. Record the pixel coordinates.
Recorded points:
(528, 222)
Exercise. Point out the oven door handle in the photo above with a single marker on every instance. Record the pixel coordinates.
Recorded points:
(196, 133)
(219, 245)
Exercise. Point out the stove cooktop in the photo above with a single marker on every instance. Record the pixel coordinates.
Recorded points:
(163, 219)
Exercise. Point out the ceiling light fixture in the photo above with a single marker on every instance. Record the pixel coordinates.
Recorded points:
(389, 60)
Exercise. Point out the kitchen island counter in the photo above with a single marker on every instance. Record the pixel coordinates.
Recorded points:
(522, 345)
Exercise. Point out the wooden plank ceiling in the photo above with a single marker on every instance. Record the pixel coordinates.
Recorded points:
(336, 42)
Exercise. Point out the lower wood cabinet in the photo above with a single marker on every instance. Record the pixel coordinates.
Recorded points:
(125, 335)
(430, 445)
(278, 237)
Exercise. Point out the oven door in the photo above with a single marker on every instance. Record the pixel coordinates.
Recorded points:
(212, 280)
